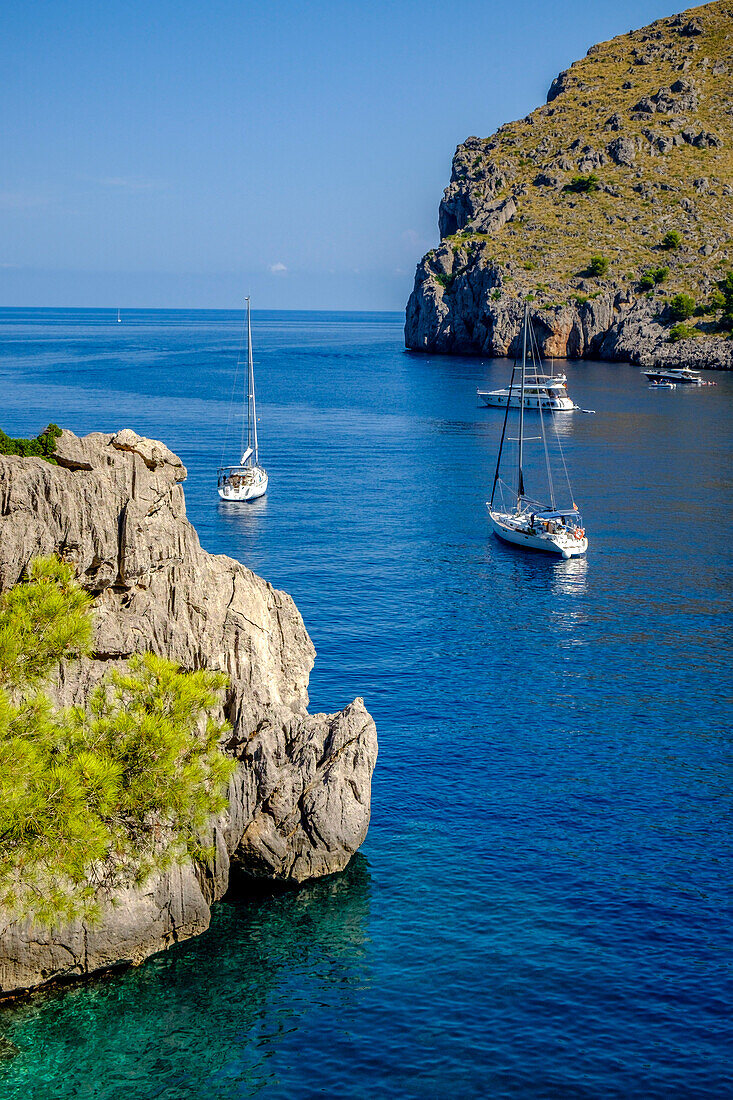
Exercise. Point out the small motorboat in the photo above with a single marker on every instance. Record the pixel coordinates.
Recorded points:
(685, 375)
(662, 385)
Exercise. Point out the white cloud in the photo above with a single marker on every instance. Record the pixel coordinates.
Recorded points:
(415, 242)
(278, 268)
(132, 184)
(20, 200)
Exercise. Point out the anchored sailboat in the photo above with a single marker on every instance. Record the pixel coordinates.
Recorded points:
(526, 521)
(248, 480)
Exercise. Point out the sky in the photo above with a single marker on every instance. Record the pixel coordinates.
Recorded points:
(183, 154)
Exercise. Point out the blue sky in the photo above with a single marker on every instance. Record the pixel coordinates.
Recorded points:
(184, 154)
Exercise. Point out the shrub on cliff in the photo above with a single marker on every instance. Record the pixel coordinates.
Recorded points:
(42, 445)
(598, 265)
(681, 307)
(682, 332)
(725, 290)
(671, 241)
(583, 185)
(102, 795)
(653, 277)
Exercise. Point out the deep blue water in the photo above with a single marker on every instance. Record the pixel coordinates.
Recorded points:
(542, 906)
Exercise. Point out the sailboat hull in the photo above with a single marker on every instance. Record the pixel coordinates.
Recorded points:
(512, 530)
(243, 487)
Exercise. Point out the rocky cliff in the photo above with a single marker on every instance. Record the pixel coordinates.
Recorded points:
(635, 142)
(299, 802)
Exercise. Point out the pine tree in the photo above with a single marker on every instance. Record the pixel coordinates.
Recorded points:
(99, 796)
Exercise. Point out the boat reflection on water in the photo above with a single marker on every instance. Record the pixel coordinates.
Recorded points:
(241, 517)
(570, 577)
(565, 425)
(244, 529)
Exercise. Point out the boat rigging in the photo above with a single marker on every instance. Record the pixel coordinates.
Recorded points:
(248, 480)
(526, 521)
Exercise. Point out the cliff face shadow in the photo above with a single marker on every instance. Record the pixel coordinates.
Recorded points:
(326, 914)
(207, 1016)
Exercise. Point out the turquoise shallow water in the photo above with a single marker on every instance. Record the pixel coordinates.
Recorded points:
(542, 906)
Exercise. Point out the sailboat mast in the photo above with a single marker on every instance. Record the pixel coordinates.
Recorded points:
(251, 407)
(503, 434)
(535, 350)
(520, 479)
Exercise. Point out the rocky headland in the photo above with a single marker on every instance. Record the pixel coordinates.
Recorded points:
(598, 208)
(299, 801)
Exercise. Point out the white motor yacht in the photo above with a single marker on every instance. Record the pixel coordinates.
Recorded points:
(541, 391)
(685, 375)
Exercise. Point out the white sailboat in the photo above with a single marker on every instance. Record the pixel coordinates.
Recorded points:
(526, 521)
(248, 480)
(119, 317)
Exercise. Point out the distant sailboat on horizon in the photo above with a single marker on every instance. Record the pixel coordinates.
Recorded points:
(248, 480)
(119, 318)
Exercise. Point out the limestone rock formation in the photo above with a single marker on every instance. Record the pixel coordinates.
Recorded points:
(299, 802)
(635, 140)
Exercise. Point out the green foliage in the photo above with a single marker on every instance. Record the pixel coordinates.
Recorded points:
(725, 290)
(682, 332)
(681, 307)
(102, 796)
(41, 621)
(672, 241)
(43, 445)
(446, 281)
(598, 265)
(495, 294)
(579, 299)
(583, 185)
(653, 277)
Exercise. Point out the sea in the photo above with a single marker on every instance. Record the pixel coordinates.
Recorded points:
(542, 907)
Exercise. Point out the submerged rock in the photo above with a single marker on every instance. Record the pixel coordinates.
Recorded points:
(299, 802)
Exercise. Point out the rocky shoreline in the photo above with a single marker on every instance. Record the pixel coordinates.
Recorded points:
(299, 802)
(608, 209)
(468, 319)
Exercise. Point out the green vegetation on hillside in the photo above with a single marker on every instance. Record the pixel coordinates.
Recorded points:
(630, 160)
(681, 307)
(598, 265)
(725, 290)
(582, 185)
(104, 795)
(672, 240)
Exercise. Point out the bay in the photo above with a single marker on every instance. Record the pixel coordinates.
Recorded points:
(542, 905)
